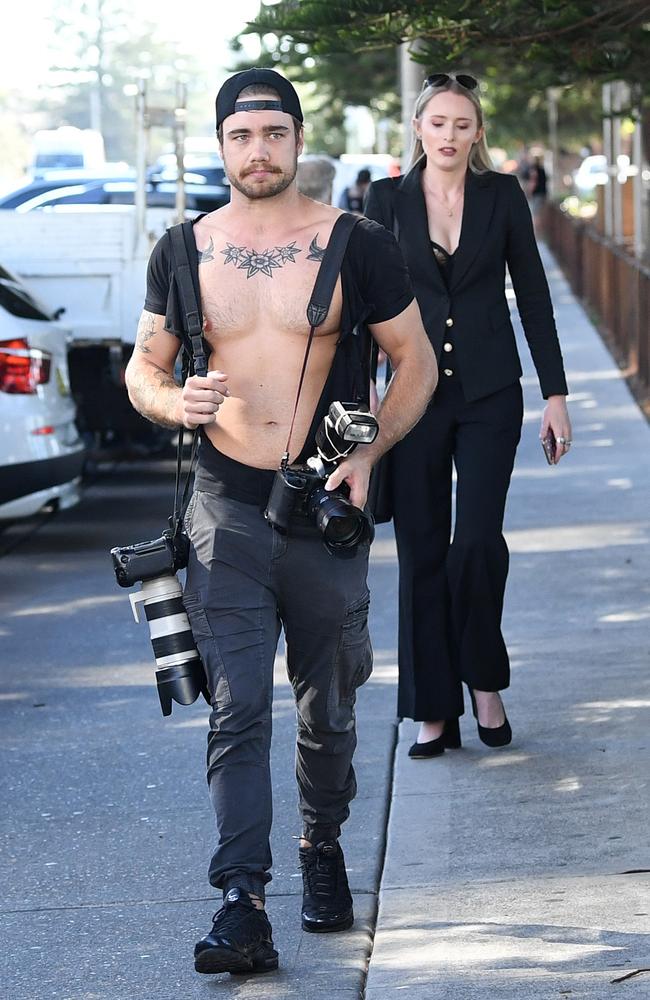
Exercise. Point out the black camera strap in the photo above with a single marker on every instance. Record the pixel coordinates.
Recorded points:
(194, 360)
(321, 298)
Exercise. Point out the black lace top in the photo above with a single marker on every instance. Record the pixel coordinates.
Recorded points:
(444, 260)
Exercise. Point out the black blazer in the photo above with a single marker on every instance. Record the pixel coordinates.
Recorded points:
(496, 230)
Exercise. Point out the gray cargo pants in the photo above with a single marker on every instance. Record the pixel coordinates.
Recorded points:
(245, 582)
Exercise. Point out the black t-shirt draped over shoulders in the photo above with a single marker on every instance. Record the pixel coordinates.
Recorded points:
(376, 287)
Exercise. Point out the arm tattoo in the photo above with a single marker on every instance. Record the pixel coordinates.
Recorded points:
(145, 332)
(208, 253)
(163, 378)
(145, 393)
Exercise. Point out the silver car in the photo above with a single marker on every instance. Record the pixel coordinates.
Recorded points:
(41, 453)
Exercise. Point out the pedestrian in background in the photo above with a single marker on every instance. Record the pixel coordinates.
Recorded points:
(459, 224)
(353, 197)
(536, 187)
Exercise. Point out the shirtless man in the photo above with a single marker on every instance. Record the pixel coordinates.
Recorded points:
(258, 259)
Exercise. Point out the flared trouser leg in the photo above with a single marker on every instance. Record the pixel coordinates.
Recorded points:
(451, 595)
(477, 561)
(429, 686)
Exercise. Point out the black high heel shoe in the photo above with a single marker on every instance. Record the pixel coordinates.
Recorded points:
(449, 740)
(499, 737)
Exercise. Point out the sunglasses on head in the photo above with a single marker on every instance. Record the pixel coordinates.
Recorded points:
(440, 79)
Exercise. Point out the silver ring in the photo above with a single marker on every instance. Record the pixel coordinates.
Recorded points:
(562, 440)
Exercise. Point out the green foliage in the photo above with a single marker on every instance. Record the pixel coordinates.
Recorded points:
(561, 42)
(328, 83)
(347, 52)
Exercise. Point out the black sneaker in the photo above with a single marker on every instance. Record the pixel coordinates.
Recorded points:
(240, 939)
(326, 899)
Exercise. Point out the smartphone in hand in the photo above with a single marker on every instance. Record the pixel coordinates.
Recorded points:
(549, 445)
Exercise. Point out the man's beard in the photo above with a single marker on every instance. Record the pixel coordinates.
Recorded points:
(277, 182)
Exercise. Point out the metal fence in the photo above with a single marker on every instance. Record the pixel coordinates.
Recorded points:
(613, 285)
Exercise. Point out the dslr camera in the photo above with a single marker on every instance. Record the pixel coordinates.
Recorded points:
(300, 489)
(180, 676)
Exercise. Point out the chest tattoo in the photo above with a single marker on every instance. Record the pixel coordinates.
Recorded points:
(207, 254)
(315, 252)
(261, 261)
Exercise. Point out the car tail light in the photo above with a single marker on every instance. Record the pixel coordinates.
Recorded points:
(22, 368)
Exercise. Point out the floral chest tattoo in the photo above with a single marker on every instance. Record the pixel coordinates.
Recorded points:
(266, 261)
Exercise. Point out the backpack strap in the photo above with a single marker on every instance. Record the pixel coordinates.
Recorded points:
(181, 238)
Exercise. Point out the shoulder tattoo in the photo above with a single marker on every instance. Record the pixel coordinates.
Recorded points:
(208, 253)
(315, 252)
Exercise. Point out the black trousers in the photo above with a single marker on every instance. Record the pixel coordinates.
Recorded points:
(451, 591)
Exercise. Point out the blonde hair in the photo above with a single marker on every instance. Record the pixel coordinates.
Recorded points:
(479, 158)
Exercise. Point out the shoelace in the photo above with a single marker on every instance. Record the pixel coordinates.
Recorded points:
(321, 872)
(230, 917)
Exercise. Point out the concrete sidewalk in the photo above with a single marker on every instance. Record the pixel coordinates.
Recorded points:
(524, 872)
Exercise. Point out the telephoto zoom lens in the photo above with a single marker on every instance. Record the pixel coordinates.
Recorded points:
(180, 676)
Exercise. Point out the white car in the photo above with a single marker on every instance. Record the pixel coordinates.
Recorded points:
(591, 172)
(41, 453)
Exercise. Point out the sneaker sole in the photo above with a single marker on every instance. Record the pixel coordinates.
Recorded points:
(343, 925)
(215, 960)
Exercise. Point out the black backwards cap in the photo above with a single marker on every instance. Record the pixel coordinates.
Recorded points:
(232, 88)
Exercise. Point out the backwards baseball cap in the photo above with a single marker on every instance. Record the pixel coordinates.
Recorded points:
(227, 103)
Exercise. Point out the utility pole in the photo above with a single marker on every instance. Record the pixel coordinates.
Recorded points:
(640, 201)
(149, 117)
(608, 200)
(620, 98)
(142, 143)
(180, 116)
(411, 76)
(552, 98)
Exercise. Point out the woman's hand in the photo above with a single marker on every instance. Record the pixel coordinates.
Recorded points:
(556, 419)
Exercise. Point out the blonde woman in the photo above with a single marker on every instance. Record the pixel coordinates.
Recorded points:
(459, 224)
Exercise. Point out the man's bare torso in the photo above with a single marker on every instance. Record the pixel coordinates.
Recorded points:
(255, 287)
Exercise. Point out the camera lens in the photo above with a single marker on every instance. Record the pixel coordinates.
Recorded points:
(342, 529)
(180, 676)
(341, 524)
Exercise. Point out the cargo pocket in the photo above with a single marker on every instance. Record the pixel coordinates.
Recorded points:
(189, 513)
(353, 664)
(209, 650)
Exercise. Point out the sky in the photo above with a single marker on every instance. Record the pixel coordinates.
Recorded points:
(202, 29)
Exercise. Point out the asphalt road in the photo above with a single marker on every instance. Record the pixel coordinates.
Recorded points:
(106, 827)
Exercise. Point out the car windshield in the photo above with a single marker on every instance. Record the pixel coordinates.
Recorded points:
(55, 161)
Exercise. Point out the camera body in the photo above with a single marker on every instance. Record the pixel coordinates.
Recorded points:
(180, 675)
(300, 488)
(147, 560)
